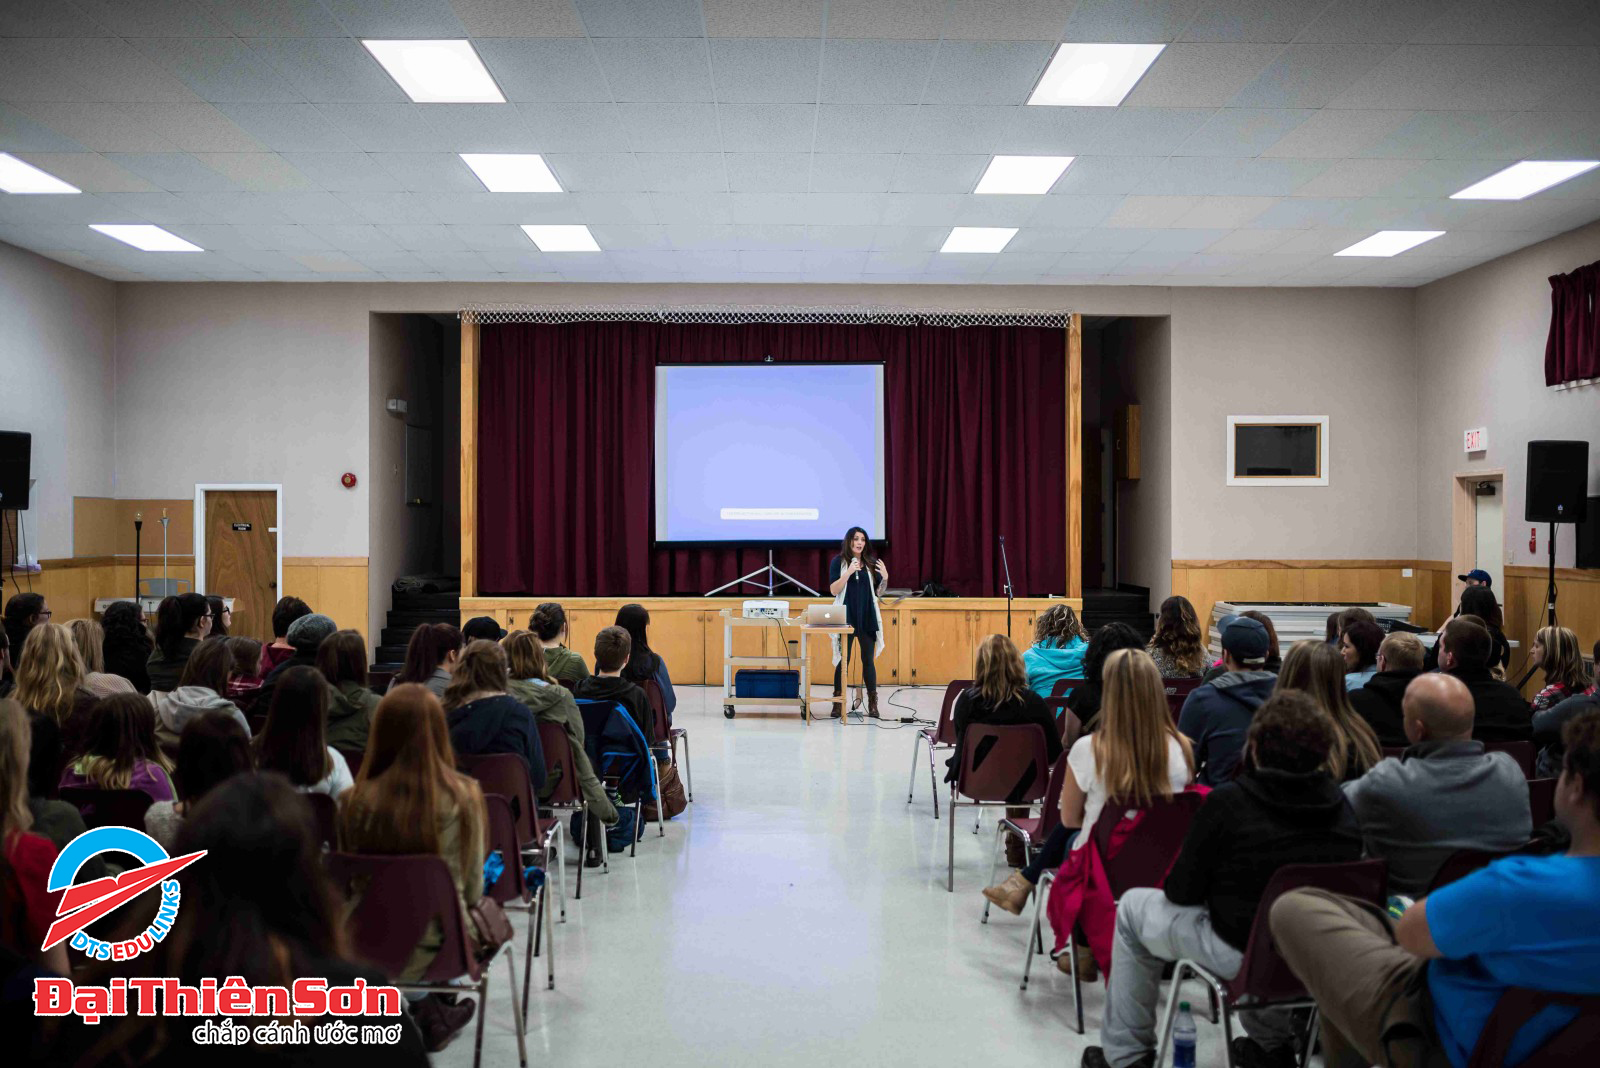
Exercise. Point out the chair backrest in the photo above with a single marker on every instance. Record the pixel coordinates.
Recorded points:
(1150, 848)
(661, 725)
(1013, 749)
(1063, 687)
(1066, 720)
(1573, 1044)
(325, 810)
(1050, 814)
(1264, 974)
(1541, 800)
(558, 765)
(945, 734)
(505, 774)
(108, 808)
(353, 758)
(398, 897)
(1460, 864)
(502, 828)
(1521, 752)
(1180, 688)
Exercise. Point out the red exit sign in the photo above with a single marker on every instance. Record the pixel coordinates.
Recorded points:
(1477, 440)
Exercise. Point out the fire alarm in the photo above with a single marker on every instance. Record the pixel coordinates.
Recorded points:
(347, 480)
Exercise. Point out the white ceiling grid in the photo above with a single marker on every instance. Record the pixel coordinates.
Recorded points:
(796, 140)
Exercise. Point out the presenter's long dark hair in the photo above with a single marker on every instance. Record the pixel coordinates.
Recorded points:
(846, 554)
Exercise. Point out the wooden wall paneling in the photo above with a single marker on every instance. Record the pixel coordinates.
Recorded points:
(1074, 431)
(469, 458)
(103, 526)
(941, 646)
(335, 586)
(678, 637)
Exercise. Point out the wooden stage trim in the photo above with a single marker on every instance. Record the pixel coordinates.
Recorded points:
(928, 641)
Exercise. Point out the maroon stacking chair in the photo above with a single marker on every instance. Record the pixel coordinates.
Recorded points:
(505, 774)
(1541, 800)
(1573, 1044)
(511, 890)
(325, 812)
(1064, 687)
(399, 898)
(1033, 830)
(669, 734)
(942, 736)
(1462, 863)
(1265, 978)
(1521, 752)
(1066, 719)
(1013, 749)
(353, 758)
(566, 795)
(108, 808)
(1178, 691)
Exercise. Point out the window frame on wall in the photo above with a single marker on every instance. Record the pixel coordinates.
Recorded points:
(1318, 479)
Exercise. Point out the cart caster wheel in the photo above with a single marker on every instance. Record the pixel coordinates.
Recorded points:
(727, 711)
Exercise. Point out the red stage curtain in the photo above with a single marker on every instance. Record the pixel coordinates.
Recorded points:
(976, 446)
(1572, 351)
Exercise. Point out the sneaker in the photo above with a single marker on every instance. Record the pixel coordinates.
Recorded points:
(1248, 1053)
(1095, 1057)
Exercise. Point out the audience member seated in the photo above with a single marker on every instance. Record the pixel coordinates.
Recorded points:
(120, 750)
(182, 622)
(482, 629)
(643, 663)
(1419, 991)
(999, 696)
(205, 680)
(1358, 645)
(342, 659)
(305, 636)
(127, 644)
(294, 742)
(1478, 602)
(1317, 670)
(26, 909)
(52, 818)
(1273, 662)
(90, 638)
(1379, 701)
(1500, 713)
(49, 676)
(530, 683)
(23, 612)
(1547, 725)
(6, 683)
(1555, 649)
(1137, 756)
(612, 647)
(284, 613)
(243, 683)
(1178, 645)
(1282, 809)
(1084, 701)
(221, 617)
(214, 748)
(1216, 716)
(1058, 648)
(1444, 795)
(549, 623)
(483, 716)
(431, 656)
(411, 799)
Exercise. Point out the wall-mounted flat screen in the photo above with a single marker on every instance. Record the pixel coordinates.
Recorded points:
(1277, 450)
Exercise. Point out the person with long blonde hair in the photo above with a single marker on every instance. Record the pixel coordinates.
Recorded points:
(1059, 645)
(1317, 669)
(1556, 650)
(50, 678)
(1178, 645)
(120, 750)
(1000, 696)
(90, 639)
(483, 716)
(27, 856)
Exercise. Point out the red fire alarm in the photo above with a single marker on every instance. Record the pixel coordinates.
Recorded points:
(347, 480)
(1533, 539)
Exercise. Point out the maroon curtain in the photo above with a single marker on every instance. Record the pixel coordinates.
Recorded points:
(975, 424)
(1572, 351)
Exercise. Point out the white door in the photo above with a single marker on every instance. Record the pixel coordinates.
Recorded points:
(1491, 537)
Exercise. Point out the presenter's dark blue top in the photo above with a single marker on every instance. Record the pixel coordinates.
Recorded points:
(857, 598)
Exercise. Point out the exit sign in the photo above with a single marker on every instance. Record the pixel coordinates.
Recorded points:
(1477, 440)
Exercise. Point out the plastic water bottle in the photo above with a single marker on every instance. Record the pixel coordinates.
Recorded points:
(1183, 1038)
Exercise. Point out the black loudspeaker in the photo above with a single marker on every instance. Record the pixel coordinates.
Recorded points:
(1558, 480)
(1589, 537)
(16, 449)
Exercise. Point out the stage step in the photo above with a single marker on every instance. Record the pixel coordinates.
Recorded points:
(410, 610)
(1127, 604)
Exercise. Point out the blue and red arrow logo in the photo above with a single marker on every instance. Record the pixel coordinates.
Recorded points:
(82, 905)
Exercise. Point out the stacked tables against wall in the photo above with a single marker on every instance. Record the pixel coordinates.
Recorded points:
(1297, 621)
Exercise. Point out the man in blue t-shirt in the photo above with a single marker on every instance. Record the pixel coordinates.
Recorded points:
(1525, 921)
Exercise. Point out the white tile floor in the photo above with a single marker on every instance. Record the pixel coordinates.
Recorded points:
(795, 915)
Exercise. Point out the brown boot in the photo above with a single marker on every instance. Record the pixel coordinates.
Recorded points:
(1088, 971)
(838, 704)
(872, 705)
(1012, 894)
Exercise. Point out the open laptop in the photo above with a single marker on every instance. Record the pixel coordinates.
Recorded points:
(819, 614)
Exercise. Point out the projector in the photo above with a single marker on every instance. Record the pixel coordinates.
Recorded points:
(766, 609)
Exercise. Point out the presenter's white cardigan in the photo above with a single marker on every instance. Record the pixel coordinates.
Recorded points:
(838, 599)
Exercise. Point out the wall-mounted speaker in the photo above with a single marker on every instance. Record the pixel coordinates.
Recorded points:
(1558, 481)
(16, 449)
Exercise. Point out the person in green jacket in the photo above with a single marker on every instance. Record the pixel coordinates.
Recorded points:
(552, 703)
(342, 659)
(549, 623)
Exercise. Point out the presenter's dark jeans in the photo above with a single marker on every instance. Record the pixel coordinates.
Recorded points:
(869, 669)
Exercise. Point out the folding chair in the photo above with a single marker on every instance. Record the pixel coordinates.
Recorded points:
(670, 734)
(1264, 979)
(1462, 863)
(566, 795)
(400, 896)
(1541, 800)
(512, 891)
(1521, 752)
(1064, 687)
(1031, 829)
(1066, 719)
(108, 808)
(942, 736)
(1010, 752)
(615, 745)
(505, 774)
(1178, 691)
(1573, 1044)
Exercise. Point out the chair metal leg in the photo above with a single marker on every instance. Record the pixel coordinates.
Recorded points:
(588, 844)
(1313, 1026)
(1169, 1016)
(994, 866)
(1035, 930)
(950, 874)
(549, 952)
(933, 780)
(661, 802)
(483, 1010)
(535, 919)
(911, 787)
(688, 766)
(1077, 981)
(638, 828)
(516, 1017)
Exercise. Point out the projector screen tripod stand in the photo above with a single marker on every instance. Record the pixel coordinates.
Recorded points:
(768, 578)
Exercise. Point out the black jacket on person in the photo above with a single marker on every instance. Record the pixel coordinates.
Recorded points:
(972, 707)
(1249, 828)
(1499, 648)
(498, 724)
(164, 671)
(1378, 702)
(1547, 730)
(617, 688)
(269, 685)
(130, 659)
(1216, 717)
(1500, 713)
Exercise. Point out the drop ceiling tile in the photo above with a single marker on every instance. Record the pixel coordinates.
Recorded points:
(769, 172)
(1150, 21)
(1375, 213)
(763, 18)
(276, 18)
(313, 209)
(862, 127)
(1054, 239)
(359, 238)
(1151, 211)
(329, 69)
(423, 238)
(1498, 22)
(19, 133)
(769, 237)
(1243, 132)
(517, 18)
(955, 268)
(429, 172)
(1050, 131)
(1358, 177)
(896, 261)
(985, 72)
(397, 19)
(875, 72)
(28, 73)
(1201, 75)
(1357, 21)
(913, 19)
(701, 238)
(841, 238)
(1016, 211)
(1431, 134)
(1241, 242)
(175, 172)
(622, 237)
(1107, 174)
(854, 173)
(42, 211)
(679, 127)
(937, 174)
(344, 172)
(843, 209)
(1220, 176)
(1437, 179)
(1252, 20)
(511, 209)
(1007, 20)
(220, 69)
(922, 209)
(389, 209)
(94, 127)
(259, 172)
(1089, 262)
(384, 127)
(655, 70)
(761, 128)
(692, 208)
(1223, 213)
(1530, 135)
(1145, 131)
(910, 238)
(950, 129)
(1331, 134)
(391, 262)
(331, 263)
(24, 18)
(833, 262)
(165, 208)
(1187, 240)
(1324, 241)
(270, 263)
(89, 171)
(682, 172)
(1414, 77)
(1311, 75)
(477, 127)
(1528, 77)
(1299, 213)
(625, 18)
(153, 18)
(576, 127)
(282, 238)
(766, 71)
(191, 127)
(1074, 211)
(596, 172)
(545, 70)
(488, 237)
(288, 127)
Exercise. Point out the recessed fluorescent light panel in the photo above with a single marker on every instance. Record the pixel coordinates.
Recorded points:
(562, 238)
(1093, 75)
(1390, 242)
(146, 238)
(511, 173)
(19, 177)
(1022, 174)
(1525, 179)
(978, 238)
(437, 72)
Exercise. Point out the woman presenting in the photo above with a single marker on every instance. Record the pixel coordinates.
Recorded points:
(855, 586)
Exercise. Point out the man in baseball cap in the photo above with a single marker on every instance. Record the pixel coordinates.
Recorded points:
(483, 628)
(1477, 577)
(1217, 715)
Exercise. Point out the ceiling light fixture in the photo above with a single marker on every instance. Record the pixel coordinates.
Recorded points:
(1389, 242)
(505, 172)
(19, 177)
(437, 72)
(146, 238)
(1022, 174)
(561, 238)
(1093, 75)
(978, 238)
(1525, 179)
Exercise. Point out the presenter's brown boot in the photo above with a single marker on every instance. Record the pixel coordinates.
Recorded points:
(838, 704)
(872, 705)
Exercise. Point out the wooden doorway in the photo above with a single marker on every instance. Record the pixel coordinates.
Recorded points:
(237, 554)
(1477, 529)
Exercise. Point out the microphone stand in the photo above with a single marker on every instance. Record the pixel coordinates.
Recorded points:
(138, 530)
(1007, 566)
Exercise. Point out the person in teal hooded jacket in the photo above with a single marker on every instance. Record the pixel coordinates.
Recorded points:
(1057, 650)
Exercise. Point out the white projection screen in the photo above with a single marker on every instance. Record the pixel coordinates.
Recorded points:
(761, 453)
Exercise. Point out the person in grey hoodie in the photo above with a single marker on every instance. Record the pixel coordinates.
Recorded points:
(200, 690)
(550, 702)
(1216, 717)
(1444, 794)
(342, 659)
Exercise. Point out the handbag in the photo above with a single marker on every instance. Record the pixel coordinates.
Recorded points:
(673, 799)
(491, 926)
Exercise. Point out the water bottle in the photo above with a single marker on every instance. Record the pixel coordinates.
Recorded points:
(1183, 1038)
